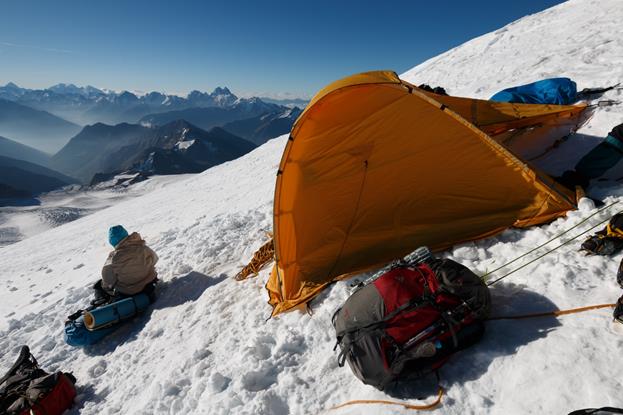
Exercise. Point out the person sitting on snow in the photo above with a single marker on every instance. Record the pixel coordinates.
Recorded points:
(597, 161)
(129, 269)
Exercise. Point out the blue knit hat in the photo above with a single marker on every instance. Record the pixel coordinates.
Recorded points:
(116, 234)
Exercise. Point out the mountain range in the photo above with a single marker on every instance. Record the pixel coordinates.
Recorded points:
(89, 105)
(208, 117)
(134, 132)
(263, 127)
(176, 147)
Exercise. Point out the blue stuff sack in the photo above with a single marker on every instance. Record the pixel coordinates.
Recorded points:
(558, 91)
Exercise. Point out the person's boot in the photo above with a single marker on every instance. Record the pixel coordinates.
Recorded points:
(150, 290)
(100, 296)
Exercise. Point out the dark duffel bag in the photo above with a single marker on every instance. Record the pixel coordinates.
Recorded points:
(28, 390)
(410, 320)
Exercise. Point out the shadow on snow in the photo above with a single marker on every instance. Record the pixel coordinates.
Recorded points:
(172, 293)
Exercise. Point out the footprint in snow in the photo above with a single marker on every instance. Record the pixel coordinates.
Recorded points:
(218, 382)
(78, 266)
(97, 369)
(48, 345)
(201, 353)
(156, 333)
(261, 379)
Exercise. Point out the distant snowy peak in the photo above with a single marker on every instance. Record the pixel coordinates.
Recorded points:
(87, 91)
(220, 97)
(287, 102)
(11, 91)
(255, 105)
(125, 97)
(11, 85)
(65, 89)
(221, 91)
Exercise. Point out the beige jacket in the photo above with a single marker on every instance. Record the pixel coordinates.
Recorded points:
(130, 267)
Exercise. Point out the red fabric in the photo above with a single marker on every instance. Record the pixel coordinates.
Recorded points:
(401, 285)
(57, 401)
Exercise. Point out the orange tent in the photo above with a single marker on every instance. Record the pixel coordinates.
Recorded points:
(375, 167)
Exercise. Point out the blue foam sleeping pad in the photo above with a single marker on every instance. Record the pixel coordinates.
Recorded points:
(558, 91)
(106, 319)
(76, 333)
(116, 312)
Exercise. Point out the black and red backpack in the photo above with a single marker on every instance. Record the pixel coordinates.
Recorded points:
(409, 321)
(28, 390)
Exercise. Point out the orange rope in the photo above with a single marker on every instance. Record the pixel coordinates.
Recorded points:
(426, 407)
(554, 313)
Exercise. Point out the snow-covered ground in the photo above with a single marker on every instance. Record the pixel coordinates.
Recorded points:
(206, 347)
(68, 204)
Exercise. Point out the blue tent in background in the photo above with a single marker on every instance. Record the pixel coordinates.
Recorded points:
(559, 91)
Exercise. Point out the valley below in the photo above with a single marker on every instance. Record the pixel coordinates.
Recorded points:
(30, 217)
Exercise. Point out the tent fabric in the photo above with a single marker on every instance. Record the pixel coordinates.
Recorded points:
(559, 91)
(375, 167)
(526, 130)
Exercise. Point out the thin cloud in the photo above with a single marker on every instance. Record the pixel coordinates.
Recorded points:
(15, 45)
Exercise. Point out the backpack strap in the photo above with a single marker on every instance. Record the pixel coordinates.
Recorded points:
(73, 317)
(589, 411)
(411, 305)
(24, 356)
(586, 92)
(427, 299)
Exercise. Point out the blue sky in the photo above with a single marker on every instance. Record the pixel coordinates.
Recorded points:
(266, 48)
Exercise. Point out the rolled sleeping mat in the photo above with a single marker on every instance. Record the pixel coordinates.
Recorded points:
(76, 333)
(115, 312)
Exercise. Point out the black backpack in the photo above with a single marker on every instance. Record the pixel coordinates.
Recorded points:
(409, 321)
(27, 389)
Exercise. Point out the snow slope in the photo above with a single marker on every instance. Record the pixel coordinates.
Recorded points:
(206, 347)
